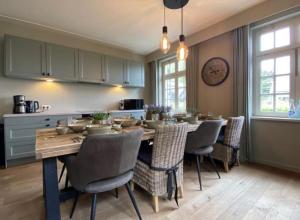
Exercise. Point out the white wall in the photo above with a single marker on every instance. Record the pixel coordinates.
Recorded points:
(61, 96)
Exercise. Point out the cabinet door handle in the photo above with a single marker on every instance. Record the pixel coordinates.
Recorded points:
(43, 74)
(48, 74)
(47, 125)
(47, 119)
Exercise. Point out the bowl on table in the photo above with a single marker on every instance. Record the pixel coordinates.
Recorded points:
(214, 117)
(152, 124)
(129, 122)
(190, 120)
(77, 127)
(179, 117)
(98, 129)
(62, 130)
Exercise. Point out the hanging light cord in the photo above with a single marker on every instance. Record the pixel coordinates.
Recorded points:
(181, 20)
(164, 15)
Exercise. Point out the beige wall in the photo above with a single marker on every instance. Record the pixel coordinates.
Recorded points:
(61, 96)
(276, 143)
(216, 99)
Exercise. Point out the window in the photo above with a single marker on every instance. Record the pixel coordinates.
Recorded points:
(275, 55)
(174, 84)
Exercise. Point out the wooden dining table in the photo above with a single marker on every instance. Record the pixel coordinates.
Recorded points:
(50, 145)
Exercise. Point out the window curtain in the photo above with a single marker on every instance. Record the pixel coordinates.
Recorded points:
(192, 70)
(242, 86)
(153, 84)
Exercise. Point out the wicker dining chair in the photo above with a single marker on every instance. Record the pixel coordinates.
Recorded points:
(160, 166)
(227, 147)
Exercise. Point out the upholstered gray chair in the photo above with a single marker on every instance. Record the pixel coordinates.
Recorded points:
(159, 169)
(227, 147)
(104, 163)
(200, 142)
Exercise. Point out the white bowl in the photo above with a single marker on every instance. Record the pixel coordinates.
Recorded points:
(98, 129)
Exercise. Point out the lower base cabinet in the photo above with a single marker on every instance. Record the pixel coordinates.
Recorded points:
(19, 135)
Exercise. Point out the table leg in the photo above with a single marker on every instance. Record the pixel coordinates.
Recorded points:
(51, 192)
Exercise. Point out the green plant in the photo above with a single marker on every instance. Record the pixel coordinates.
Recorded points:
(99, 116)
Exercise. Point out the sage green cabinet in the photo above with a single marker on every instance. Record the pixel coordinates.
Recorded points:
(90, 67)
(20, 132)
(134, 74)
(113, 70)
(62, 62)
(24, 58)
(31, 59)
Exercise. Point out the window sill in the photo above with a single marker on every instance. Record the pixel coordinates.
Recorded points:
(264, 118)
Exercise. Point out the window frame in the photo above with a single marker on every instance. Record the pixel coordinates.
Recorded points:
(292, 50)
(176, 75)
(257, 82)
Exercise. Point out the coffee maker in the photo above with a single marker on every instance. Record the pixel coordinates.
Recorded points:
(19, 104)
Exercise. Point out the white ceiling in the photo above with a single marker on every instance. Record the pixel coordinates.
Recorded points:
(132, 24)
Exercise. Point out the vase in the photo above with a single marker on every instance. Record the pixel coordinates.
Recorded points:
(155, 117)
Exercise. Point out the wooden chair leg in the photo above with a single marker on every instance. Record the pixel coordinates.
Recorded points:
(180, 189)
(132, 186)
(226, 167)
(155, 203)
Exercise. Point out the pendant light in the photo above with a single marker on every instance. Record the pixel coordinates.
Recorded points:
(182, 50)
(165, 42)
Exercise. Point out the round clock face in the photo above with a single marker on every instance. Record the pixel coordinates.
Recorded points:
(215, 71)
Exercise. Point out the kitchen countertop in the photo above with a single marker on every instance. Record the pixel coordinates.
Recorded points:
(51, 113)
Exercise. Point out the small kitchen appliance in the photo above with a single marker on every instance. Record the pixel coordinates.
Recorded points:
(32, 106)
(131, 104)
(19, 104)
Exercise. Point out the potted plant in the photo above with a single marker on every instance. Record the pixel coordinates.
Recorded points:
(100, 118)
(156, 112)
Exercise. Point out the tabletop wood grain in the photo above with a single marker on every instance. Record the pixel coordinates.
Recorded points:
(50, 144)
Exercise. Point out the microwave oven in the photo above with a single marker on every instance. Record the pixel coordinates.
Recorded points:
(131, 104)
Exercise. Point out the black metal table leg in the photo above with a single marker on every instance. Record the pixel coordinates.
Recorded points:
(51, 192)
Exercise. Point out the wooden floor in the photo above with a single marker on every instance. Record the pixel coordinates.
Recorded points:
(246, 192)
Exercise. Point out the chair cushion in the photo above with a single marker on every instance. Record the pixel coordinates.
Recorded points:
(109, 184)
(221, 135)
(204, 150)
(145, 153)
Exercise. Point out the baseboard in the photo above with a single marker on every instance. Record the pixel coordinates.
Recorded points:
(277, 165)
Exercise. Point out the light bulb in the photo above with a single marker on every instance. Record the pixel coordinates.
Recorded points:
(165, 42)
(182, 50)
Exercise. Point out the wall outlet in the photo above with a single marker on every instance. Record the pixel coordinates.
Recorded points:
(46, 108)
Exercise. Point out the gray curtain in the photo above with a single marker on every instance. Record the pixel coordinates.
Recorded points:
(242, 86)
(153, 84)
(192, 72)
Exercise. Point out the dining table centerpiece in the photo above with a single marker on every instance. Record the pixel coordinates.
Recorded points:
(157, 112)
(100, 118)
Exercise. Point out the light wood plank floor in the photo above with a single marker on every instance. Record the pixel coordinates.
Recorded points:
(246, 192)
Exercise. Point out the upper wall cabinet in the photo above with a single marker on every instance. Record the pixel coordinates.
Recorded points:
(134, 74)
(62, 62)
(113, 70)
(90, 67)
(24, 58)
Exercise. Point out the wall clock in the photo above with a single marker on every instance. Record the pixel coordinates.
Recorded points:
(215, 71)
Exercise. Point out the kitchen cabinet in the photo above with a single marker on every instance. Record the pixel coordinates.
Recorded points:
(62, 62)
(19, 135)
(24, 58)
(31, 59)
(134, 74)
(113, 70)
(90, 67)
